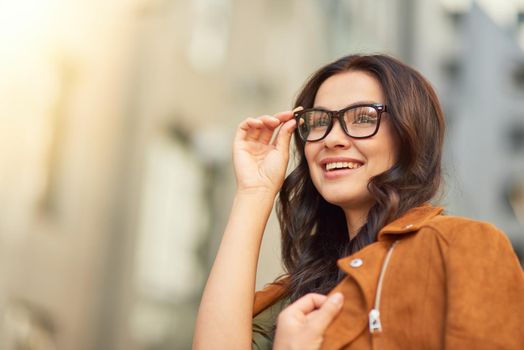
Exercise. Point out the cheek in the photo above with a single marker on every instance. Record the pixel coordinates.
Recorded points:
(309, 153)
(387, 149)
(392, 151)
(384, 160)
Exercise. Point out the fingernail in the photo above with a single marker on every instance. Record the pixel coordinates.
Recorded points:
(298, 109)
(336, 298)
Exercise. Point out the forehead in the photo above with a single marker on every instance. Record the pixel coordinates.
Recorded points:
(347, 88)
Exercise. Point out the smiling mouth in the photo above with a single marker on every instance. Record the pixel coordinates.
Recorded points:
(342, 165)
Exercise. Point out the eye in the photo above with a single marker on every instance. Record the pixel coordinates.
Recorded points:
(316, 119)
(365, 119)
(362, 116)
(322, 119)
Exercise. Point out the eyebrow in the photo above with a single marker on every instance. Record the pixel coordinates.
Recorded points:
(353, 104)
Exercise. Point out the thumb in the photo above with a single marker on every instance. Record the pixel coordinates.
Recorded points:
(327, 312)
(284, 136)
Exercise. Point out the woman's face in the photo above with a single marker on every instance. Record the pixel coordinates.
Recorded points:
(347, 187)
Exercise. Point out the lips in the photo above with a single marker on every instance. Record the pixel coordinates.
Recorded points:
(342, 165)
(339, 167)
(337, 164)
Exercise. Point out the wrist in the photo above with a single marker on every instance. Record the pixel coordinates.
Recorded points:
(257, 192)
(260, 200)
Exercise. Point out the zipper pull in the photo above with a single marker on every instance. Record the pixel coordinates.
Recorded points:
(374, 321)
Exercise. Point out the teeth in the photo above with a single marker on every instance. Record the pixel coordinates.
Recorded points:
(342, 165)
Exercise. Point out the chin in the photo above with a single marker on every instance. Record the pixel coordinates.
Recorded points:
(349, 201)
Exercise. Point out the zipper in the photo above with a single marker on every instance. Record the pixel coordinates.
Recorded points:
(374, 315)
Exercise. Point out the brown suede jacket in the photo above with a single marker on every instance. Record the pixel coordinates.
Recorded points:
(430, 281)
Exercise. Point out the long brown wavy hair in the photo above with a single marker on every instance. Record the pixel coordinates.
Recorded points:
(314, 232)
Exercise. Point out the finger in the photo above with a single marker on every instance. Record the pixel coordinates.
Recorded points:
(307, 303)
(270, 121)
(284, 136)
(270, 124)
(273, 122)
(251, 128)
(327, 312)
(287, 115)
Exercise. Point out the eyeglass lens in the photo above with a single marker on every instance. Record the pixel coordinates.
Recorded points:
(360, 121)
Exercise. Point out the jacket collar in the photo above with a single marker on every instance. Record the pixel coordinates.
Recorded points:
(411, 221)
(269, 295)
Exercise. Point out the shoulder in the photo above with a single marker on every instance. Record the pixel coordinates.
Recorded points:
(457, 228)
(470, 240)
(425, 226)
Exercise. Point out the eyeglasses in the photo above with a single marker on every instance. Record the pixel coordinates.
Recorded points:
(358, 121)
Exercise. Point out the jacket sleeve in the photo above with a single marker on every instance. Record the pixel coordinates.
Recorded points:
(485, 291)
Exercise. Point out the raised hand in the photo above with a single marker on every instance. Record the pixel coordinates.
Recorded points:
(260, 163)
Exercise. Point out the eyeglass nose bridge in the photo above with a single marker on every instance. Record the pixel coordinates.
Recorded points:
(337, 115)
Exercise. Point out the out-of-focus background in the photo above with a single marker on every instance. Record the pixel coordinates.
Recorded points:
(116, 122)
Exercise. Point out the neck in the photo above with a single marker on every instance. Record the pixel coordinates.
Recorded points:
(355, 219)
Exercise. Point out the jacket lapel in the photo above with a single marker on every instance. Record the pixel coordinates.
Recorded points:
(359, 288)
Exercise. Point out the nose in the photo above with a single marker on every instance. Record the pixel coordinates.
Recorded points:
(337, 137)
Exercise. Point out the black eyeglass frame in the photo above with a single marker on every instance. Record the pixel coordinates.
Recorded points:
(379, 107)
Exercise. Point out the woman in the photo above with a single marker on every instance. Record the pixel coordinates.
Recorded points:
(356, 224)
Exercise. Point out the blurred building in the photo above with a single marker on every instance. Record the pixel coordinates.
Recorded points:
(116, 124)
(486, 126)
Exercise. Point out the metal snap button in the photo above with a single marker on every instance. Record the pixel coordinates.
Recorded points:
(356, 263)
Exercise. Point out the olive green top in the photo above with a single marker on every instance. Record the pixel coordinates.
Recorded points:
(264, 325)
